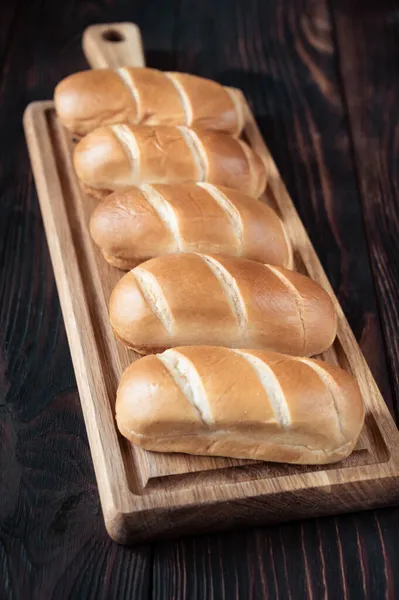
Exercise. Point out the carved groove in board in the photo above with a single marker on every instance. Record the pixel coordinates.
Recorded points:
(377, 470)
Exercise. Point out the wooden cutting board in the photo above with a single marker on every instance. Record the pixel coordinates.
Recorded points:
(143, 494)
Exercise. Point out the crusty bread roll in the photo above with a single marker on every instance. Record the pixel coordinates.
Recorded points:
(137, 224)
(195, 299)
(250, 404)
(88, 99)
(119, 156)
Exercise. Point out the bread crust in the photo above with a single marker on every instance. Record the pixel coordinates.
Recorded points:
(119, 156)
(212, 401)
(193, 299)
(101, 162)
(137, 224)
(91, 99)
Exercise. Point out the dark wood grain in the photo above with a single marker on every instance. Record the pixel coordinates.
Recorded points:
(285, 56)
(349, 557)
(53, 542)
(368, 41)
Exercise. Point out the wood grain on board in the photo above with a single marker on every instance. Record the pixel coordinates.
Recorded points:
(51, 528)
(177, 493)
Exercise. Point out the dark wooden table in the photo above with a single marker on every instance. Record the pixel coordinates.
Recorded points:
(323, 80)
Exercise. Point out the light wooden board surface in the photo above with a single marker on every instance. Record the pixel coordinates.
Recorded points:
(144, 494)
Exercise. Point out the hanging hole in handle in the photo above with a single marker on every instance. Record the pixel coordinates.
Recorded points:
(112, 35)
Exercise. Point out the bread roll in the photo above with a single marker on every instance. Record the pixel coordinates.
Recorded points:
(195, 299)
(89, 99)
(139, 223)
(249, 404)
(119, 156)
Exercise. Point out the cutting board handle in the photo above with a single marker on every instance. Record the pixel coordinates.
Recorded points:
(113, 45)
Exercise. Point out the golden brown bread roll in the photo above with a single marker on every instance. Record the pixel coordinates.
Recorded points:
(120, 156)
(89, 99)
(249, 404)
(196, 299)
(137, 224)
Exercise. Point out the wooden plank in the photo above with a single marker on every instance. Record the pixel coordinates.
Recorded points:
(368, 66)
(53, 543)
(141, 501)
(347, 557)
(284, 57)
